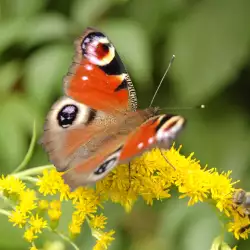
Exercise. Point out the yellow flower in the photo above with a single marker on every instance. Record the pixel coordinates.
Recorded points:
(64, 191)
(54, 211)
(33, 248)
(29, 235)
(104, 240)
(43, 204)
(74, 228)
(49, 182)
(54, 214)
(98, 221)
(150, 176)
(27, 200)
(37, 224)
(76, 223)
(240, 226)
(18, 218)
(11, 184)
(84, 207)
(55, 204)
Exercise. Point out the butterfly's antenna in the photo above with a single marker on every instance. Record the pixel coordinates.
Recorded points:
(202, 106)
(169, 65)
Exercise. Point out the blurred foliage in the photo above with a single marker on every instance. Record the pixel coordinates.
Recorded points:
(211, 41)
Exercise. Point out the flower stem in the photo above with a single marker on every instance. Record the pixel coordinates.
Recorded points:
(29, 154)
(65, 238)
(4, 212)
(32, 171)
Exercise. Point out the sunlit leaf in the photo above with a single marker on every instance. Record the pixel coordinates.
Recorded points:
(16, 8)
(11, 32)
(211, 44)
(9, 73)
(44, 71)
(18, 115)
(7, 231)
(88, 11)
(45, 28)
(219, 137)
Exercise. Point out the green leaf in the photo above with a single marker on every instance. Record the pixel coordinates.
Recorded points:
(9, 74)
(133, 47)
(20, 8)
(29, 153)
(18, 116)
(11, 237)
(218, 138)
(203, 227)
(210, 44)
(46, 27)
(44, 72)
(88, 11)
(11, 32)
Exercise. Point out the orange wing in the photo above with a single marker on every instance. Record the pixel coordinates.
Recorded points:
(159, 131)
(98, 77)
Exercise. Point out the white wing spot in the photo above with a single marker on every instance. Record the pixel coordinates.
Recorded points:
(85, 78)
(140, 145)
(89, 67)
(151, 140)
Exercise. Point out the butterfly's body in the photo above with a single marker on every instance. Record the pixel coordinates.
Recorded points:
(96, 125)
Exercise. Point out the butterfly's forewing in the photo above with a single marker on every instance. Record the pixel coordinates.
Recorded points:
(158, 131)
(97, 77)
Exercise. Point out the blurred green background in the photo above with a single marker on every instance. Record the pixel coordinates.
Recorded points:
(211, 41)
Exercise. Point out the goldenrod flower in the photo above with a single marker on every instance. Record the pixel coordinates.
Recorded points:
(74, 228)
(29, 235)
(49, 182)
(54, 210)
(37, 224)
(11, 184)
(150, 177)
(98, 221)
(54, 214)
(104, 239)
(43, 205)
(27, 200)
(33, 248)
(18, 218)
(240, 226)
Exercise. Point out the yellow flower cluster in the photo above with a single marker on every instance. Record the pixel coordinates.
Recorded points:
(149, 176)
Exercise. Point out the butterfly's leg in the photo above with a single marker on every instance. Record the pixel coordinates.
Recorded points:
(167, 160)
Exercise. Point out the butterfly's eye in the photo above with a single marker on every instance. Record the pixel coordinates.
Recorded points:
(106, 166)
(67, 116)
(98, 49)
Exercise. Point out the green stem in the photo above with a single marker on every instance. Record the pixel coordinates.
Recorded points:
(32, 171)
(4, 212)
(30, 179)
(65, 238)
(28, 156)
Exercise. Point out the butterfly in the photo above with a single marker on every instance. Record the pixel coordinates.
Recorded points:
(96, 124)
